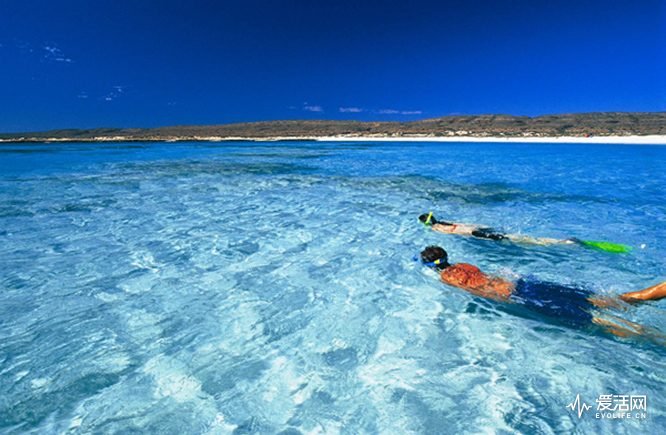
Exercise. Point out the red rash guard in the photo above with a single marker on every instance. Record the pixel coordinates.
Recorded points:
(470, 277)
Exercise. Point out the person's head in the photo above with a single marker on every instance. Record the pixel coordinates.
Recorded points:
(427, 219)
(434, 256)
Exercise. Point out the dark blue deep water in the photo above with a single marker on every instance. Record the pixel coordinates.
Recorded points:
(269, 287)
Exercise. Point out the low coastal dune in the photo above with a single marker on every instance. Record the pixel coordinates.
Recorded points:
(605, 127)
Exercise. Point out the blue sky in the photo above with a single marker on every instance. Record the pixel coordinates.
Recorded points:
(83, 63)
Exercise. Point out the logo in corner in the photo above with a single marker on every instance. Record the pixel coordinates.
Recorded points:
(579, 406)
(613, 406)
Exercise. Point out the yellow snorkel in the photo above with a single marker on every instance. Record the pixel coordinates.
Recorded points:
(427, 222)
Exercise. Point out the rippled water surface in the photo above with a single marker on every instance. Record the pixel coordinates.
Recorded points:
(270, 287)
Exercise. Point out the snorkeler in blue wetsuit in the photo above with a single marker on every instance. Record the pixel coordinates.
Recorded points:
(572, 306)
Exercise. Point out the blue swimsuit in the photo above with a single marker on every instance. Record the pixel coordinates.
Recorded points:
(568, 305)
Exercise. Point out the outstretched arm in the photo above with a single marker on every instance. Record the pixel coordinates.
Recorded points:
(649, 294)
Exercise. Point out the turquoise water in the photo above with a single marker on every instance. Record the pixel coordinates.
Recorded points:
(270, 287)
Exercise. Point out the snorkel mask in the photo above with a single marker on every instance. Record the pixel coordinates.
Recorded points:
(428, 220)
(432, 263)
(441, 260)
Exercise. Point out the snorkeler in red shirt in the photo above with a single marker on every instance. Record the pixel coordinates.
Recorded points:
(572, 306)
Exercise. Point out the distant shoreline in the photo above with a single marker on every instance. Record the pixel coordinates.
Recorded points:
(601, 127)
(619, 140)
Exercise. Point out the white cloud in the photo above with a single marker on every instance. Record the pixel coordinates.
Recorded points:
(350, 110)
(55, 54)
(115, 93)
(312, 108)
(82, 95)
(21, 46)
(399, 112)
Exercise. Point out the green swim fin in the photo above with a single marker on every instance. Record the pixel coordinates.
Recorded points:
(613, 248)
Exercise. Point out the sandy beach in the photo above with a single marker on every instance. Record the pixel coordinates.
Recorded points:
(619, 140)
(624, 140)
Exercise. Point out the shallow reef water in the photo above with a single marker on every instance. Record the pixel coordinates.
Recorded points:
(270, 287)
